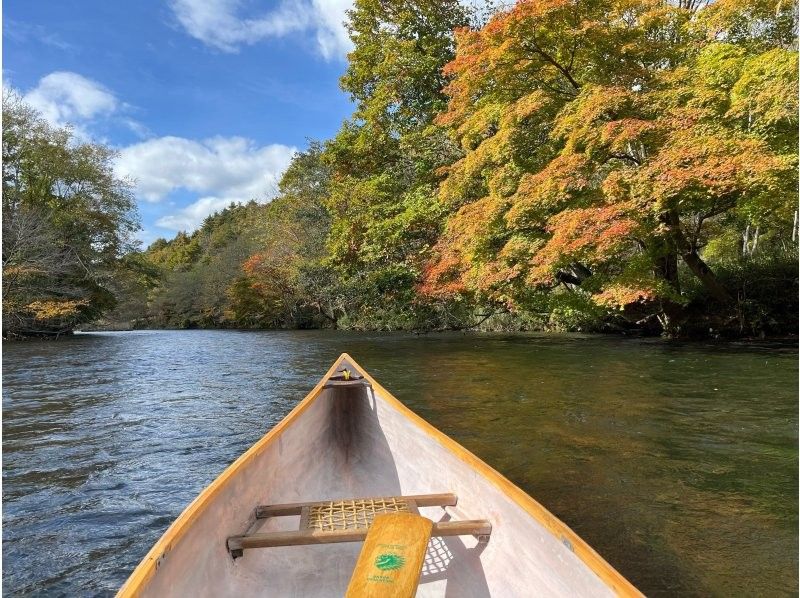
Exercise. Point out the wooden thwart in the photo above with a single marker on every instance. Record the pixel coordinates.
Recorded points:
(349, 521)
(468, 527)
(340, 381)
(447, 499)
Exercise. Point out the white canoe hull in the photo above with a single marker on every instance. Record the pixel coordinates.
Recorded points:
(378, 448)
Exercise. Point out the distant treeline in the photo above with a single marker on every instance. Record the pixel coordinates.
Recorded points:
(593, 165)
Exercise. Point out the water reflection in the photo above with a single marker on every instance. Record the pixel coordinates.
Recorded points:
(678, 463)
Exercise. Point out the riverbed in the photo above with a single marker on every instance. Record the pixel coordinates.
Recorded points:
(677, 462)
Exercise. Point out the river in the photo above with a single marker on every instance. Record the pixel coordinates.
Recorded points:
(677, 462)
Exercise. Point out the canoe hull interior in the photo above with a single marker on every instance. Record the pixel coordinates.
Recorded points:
(360, 442)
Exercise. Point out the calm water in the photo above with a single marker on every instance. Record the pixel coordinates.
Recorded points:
(678, 463)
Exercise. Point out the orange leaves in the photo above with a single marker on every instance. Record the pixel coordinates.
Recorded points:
(704, 168)
(549, 189)
(586, 121)
(252, 264)
(620, 295)
(590, 235)
(468, 241)
(620, 135)
(442, 277)
(528, 105)
(607, 122)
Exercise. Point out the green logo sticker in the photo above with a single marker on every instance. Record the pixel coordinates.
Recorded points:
(389, 561)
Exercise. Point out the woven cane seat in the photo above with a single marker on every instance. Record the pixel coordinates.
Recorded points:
(352, 514)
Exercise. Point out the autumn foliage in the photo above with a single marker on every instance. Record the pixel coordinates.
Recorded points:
(607, 143)
(552, 163)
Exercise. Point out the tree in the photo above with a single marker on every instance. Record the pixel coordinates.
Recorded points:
(67, 222)
(606, 143)
(384, 159)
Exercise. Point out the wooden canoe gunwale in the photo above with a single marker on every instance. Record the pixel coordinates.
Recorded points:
(149, 564)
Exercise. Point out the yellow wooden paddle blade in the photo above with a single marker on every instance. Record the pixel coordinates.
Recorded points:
(392, 556)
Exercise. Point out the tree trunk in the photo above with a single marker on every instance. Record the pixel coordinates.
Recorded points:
(667, 268)
(575, 275)
(706, 276)
(691, 258)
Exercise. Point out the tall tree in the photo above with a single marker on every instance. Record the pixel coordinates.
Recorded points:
(384, 159)
(605, 141)
(67, 222)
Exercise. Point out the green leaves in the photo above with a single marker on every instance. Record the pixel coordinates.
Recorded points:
(67, 223)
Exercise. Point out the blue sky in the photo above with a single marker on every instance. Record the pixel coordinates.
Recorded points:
(206, 100)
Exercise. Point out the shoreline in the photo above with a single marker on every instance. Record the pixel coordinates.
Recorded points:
(722, 340)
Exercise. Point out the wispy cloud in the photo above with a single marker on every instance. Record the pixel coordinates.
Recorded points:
(27, 32)
(223, 24)
(222, 170)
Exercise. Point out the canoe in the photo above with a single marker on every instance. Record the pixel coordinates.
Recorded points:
(290, 516)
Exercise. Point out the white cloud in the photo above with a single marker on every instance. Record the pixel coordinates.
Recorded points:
(64, 97)
(222, 24)
(222, 169)
(332, 35)
(67, 98)
(192, 216)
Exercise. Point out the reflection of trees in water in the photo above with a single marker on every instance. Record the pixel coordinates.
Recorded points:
(629, 443)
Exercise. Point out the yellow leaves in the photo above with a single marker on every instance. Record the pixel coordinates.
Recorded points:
(22, 270)
(620, 135)
(465, 250)
(520, 249)
(466, 178)
(708, 167)
(766, 94)
(527, 106)
(537, 9)
(579, 124)
(646, 117)
(56, 308)
(481, 124)
(759, 21)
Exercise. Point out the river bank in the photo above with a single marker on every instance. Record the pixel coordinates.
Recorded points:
(699, 333)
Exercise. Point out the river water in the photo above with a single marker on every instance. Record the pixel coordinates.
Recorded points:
(677, 462)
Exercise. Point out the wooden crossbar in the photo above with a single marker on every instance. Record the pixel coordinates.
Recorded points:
(421, 500)
(347, 383)
(349, 520)
(476, 527)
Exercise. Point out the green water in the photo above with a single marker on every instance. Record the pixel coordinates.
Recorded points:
(678, 463)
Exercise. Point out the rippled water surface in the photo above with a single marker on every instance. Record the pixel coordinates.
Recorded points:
(678, 463)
